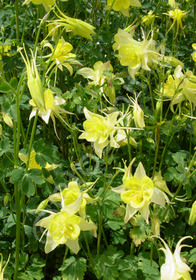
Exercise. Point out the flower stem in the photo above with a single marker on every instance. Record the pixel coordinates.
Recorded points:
(17, 20)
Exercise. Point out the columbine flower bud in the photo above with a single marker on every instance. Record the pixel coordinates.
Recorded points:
(192, 217)
(138, 116)
(7, 119)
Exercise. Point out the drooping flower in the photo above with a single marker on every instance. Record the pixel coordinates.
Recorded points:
(61, 56)
(71, 194)
(2, 269)
(175, 268)
(100, 130)
(177, 16)
(180, 87)
(46, 3)
(43, 99)
(102, 75)
(65, 226)
(135, 54)
(138, 192)
(122, 5)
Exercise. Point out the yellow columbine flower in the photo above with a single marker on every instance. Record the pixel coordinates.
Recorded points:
(65, 226)
(100, 130)
(175, 268)
(134, 54)
(42, 99)
(180, 87)
(46, 3)
(5, 48)
(33, 80)
(122, 5)
(138, 191)
(71, 194)
(194, 53)
(3, 268)
(62, 56)
(149, 18)
(98, 77)
(177, 16)
(75, 26)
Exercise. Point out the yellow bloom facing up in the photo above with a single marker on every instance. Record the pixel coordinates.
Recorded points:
(71, 194)
(135, 54)
(175, 268)
(194, 53)
(177, 16)
(65, 226)
(2, 269)
(100, 130)
(138, 191)
(122, 5)
(98, 77)
(180, 87)
(46, 3)
(62, 56)
(5, 48)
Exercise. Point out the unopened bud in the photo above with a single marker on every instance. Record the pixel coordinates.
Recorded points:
(42, 205)
(192, 217)
(7, 119)
(138, 116)
(155, 225)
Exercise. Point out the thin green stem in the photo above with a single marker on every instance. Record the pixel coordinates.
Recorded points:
(16, 139)
(17, 20)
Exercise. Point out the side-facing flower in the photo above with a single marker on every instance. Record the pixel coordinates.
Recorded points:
(122, 5)
(71, 194)
(175, 268)
(43, 99)
(61, 56)
(100, 130)
(73, 25)
(2, 269)
(65, 226)
(138, 192)
(180, 87)
(46, 3)
(135, 54)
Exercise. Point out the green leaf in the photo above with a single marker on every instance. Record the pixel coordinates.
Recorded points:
(28, 186)
(17, 175)
(4, 146)
(36, 176)
(73, 269)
